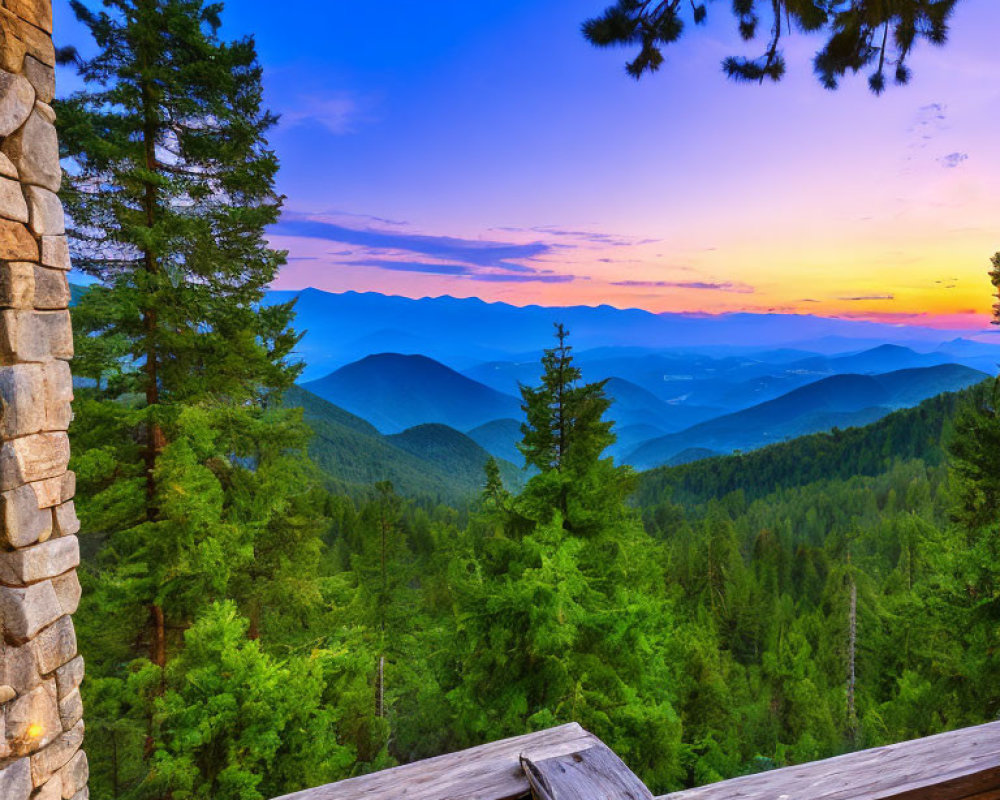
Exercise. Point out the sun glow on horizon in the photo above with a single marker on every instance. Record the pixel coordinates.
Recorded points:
(941, 284)
(567, 184)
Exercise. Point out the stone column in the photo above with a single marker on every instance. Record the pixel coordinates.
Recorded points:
(41, 726)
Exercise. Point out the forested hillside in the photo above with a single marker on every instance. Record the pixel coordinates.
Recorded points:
(703, 635)
(395, 392)
(751, 612)
(915, 433)
(841, 401)
(431, 462)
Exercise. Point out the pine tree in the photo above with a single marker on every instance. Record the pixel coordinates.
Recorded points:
(224, 695)
(975, 490)
(976, 506)
(564, 437)
(561, 614)
(170, 192)
(995, 280)
(860, 34)
(494, 496)
(192, 474)
(976, 462)
(564, 427)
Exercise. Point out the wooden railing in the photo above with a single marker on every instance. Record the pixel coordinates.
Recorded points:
(961, 765)
(568, 763)
(490, 772)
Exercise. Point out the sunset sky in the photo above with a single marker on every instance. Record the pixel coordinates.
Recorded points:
(485, 149)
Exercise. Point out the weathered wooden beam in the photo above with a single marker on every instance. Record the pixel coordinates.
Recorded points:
(960, 765)
(592, 774)
(490, 772)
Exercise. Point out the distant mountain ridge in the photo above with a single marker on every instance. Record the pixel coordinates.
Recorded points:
(429, 461)
(634, 405)
(395, 392)
(703, 386)
(921, 432)
(463, 332)
(837, 401)
(500, 437)
(683, 386)
(886, 357)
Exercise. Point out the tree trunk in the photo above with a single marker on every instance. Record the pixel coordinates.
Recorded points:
(254, 632)
(158, 644)
(852, 638)
(380, 688)
(115, 789)
(154, 434)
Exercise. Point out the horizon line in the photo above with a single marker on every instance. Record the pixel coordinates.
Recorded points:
(987, 327)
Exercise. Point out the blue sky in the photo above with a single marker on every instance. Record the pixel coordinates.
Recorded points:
(484, 148)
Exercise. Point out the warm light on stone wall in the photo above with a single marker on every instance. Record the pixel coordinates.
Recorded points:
(41, 714)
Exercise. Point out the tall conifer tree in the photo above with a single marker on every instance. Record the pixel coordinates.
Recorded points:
(170, 190)
(191, 472)
(562, 614)
(564, 438)
(564, 427)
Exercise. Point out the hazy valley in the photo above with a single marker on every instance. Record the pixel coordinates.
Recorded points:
(428, 407)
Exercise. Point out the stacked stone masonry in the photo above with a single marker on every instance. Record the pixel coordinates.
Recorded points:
(41, 714)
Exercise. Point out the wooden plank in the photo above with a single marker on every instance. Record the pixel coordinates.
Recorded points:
(592, 774)
(959, 765)
(490, 772)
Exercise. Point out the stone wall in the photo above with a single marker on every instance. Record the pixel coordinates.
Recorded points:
(41, 725)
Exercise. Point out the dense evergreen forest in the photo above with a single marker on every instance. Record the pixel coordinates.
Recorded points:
(251, 628)
(432, 462)
(703, 635)
(914, 433)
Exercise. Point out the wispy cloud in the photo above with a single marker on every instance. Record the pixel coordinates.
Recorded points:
(589, 237)
(953, 160)
(883, 316)
(726, 286)
(410, 266)
(367, 220)
(538, 277)
(474, 273)
(864, 297)
(930, 120)
(340, 113)
(476, 252)
(371, 243)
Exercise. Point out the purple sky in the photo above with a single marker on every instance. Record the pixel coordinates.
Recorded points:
(484, 149)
